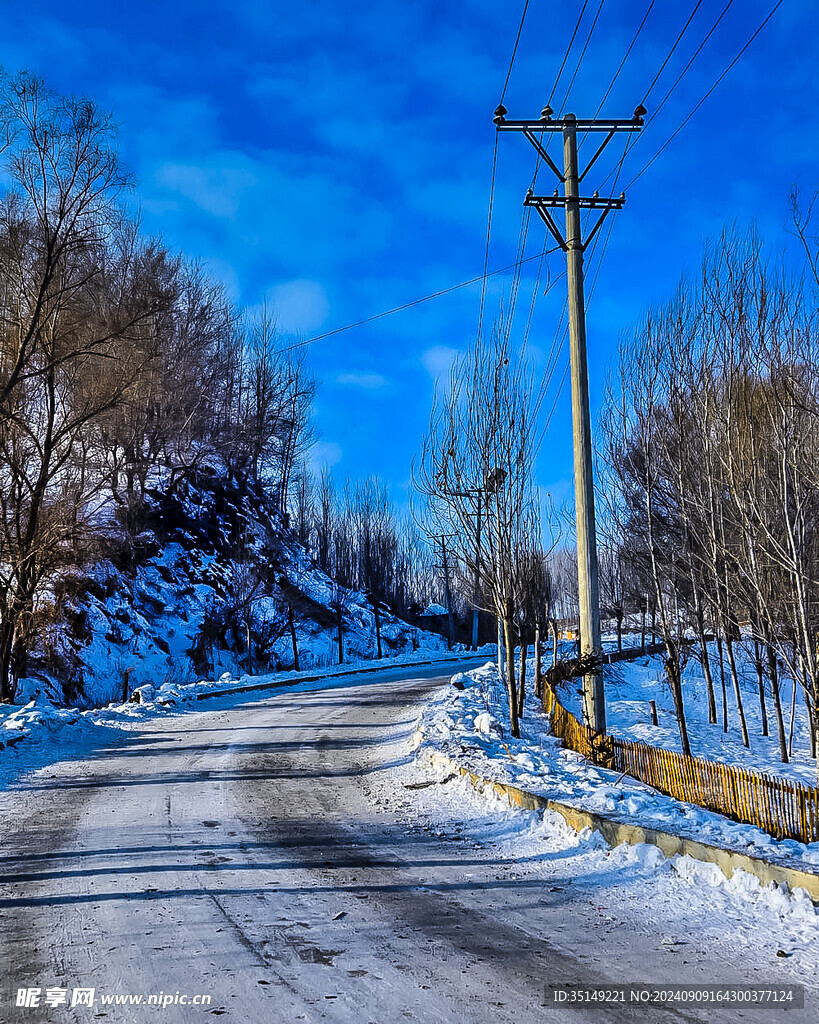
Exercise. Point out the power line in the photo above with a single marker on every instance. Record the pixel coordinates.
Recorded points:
(625, 57)
(514, 50)
(685, 121)
(582, 55)
(568, 51)
(693, 57)
(488, 235)
(670, 53)
(492, 182)
(631, 142)
(417, 302)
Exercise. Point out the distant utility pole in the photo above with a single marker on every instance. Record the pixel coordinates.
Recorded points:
(447, 591)
(480, 492)
(594, 704)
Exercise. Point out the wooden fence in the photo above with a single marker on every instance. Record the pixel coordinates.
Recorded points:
(787, 810)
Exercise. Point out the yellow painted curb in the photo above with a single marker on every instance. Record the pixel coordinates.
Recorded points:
(616, 832)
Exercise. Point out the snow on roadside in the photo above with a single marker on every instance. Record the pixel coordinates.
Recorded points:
(469, 725)
(40, 728)
(631, 685)
(690, 906)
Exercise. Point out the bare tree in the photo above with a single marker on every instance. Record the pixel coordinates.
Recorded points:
(67, 301)
(478, 459)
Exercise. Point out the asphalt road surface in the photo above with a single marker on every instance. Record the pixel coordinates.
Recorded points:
(269, 854)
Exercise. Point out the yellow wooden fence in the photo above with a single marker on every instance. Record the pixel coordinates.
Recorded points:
(782, 808)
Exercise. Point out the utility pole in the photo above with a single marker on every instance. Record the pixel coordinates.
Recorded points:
(480, 492)
(594, 706)
(447, 591)
(476, 586)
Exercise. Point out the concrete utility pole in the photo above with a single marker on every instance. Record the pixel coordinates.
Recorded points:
(447, 591)
(594, 704)
(480, 492)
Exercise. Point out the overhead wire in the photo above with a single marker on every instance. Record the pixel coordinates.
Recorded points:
(691, 60)
(625, 58)
(702, 100)
(670, 53)
(561, 331)
(494, 172)
(633, 139)
(415, 302)
(514, 51)
(631, 142)
(488, 236)
(582, 55)
(616, 172)
(568, 51)
(552, 360)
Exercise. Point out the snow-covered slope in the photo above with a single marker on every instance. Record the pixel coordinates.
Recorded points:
(209, 586)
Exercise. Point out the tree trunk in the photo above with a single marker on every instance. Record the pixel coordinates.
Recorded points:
(510, 674)
(7, 684)
(126, 681)
(522, 685)
(619, 630)
(672, 667)
(729, 650)
(760, 680)
(773, 675)
(340, 625)
(706, 665)
(724, 690)
(377, 618)
(811, 729)
(291, 623)
(538, 666)
(793, 710)
(553, 624)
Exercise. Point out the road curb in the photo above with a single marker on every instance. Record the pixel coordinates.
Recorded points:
(616, 832)
(279, 683)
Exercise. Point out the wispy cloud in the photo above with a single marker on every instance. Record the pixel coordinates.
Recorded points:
(325, 454)
(366, 381)
(438, 360)
(215, 188)
(299, 306)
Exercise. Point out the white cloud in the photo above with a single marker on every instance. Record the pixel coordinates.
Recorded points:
(216, 189)
(367, 381)
(299, 305)
(438, 360)
(325, 453)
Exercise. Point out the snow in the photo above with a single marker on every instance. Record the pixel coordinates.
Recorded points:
(633, 890)
(434, 609)
(631, 685)
(44, 728)
(177, 611)
(471, 726)
(690, 907)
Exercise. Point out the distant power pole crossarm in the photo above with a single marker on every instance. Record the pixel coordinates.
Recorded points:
(574, 245)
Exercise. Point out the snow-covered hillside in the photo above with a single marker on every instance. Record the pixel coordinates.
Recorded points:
(214, 583)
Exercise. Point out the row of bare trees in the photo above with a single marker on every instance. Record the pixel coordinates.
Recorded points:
(357, 537)
(475, 476)
(711, 456)
(122, 367)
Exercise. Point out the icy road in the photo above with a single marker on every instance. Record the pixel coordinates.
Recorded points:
(287, 859)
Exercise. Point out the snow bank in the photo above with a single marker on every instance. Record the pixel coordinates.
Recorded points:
(39, 723)
(471, 725)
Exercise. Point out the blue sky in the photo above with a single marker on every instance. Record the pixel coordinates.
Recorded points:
(334, 160)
